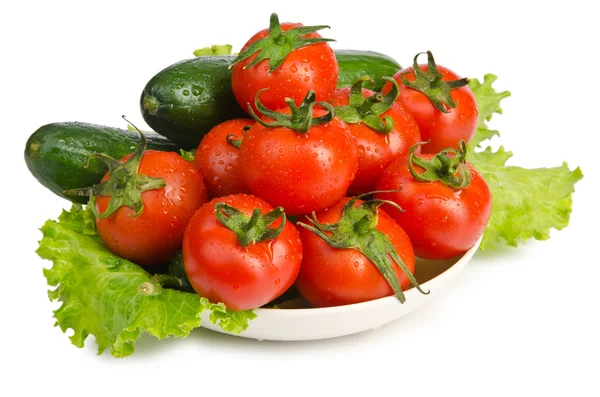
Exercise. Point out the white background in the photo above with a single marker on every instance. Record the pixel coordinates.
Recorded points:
(516, 321)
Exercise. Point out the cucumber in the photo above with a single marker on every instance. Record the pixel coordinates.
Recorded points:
(57, 153)
(354, 64)
(185, 100)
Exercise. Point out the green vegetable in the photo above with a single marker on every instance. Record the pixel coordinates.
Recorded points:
(213, 50)
(57, 154)
(354, 64)
(526, 203)
(112, 298)
(185, 100)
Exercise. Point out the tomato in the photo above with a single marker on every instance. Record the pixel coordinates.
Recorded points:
(441, 221)
(442, 128)
(300, 171)
(217, 158)
(308, 67)
(333, 276)
(378, 149)
(154, 236)
(221, 269)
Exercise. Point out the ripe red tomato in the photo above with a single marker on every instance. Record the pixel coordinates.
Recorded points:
(154, 236)
(443, 128)
(441, 221)
(376, 150)
(302, 172)
(243, 277)
(217, 158)
(332, 276)
(310, 67)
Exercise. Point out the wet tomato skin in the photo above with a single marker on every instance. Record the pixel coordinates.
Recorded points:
(302, 172)
(376, 150)
(310, 67)
(218, 160)
(444, 130)
(243, 278)
(154, 236)
(441, 222)
(332, 277)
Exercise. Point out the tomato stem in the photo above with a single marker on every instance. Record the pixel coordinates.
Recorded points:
(233, 140)
(300, 118)
(369, 110)
(250, 230)
(357, 230)
(125, 186)
(278, 44)
(431, 84)
(442, 167)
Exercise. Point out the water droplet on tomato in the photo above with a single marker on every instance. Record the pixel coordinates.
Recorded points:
(277, 281)
(361, 151)
(293, 68)
(432, 196)
(236, 288)
(306, 79)
(229, 169)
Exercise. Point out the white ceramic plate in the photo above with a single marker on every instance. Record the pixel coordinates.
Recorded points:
(310, 324)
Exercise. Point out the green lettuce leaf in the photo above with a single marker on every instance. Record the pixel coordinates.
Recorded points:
(526, 203)
(100, 292)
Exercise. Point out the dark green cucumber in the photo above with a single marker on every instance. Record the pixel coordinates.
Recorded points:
(57, 153)
(354, 64)
(185, 100)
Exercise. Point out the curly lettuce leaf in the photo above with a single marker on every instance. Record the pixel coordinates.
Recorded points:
(100, 292)
(526, 203)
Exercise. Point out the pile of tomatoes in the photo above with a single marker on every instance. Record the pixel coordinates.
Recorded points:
(333, 191)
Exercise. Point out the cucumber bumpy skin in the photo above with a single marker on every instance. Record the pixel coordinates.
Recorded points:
(57, 154)
(185, 100)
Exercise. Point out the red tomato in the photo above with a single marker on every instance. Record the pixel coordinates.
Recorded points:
(377, 150)
(222, 270)
(302, 172)
(154, 236)
(442, 129)
(441, 221)
(312, 66)
(217, 159)
(332, 276)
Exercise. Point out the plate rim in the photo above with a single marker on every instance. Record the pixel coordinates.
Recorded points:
(334, 309)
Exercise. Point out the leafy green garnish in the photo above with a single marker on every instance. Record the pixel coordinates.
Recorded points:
(188, 155)
(526, 203)
(100, 292)
(224, 49)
